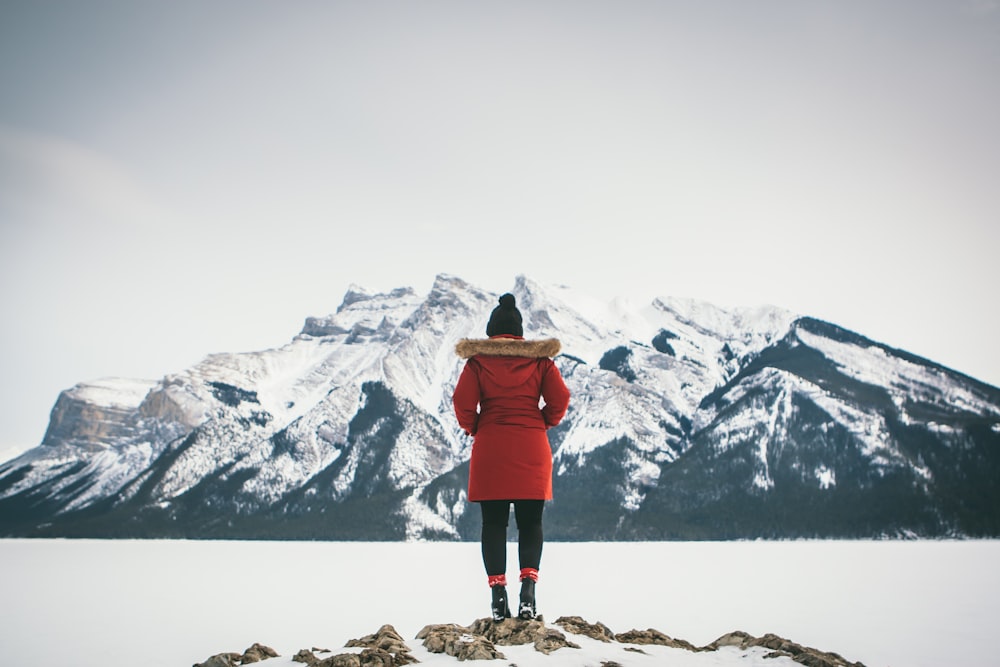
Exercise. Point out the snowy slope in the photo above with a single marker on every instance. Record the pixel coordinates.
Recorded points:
(687, 420)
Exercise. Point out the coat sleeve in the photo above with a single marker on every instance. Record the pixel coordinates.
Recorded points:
(555, 394)
(465, 399)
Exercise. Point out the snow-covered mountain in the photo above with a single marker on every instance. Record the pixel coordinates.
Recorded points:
(687, 421)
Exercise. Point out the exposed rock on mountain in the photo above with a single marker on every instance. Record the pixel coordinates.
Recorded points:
(255, 653)
(687, 421)
(478, 641)
(458, 642)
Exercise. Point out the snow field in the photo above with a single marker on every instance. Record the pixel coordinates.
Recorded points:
(170, 603)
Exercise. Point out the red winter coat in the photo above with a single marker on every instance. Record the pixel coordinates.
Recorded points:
(497, 401)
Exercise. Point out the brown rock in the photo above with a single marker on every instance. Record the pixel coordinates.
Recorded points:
(386, 647)
(369, 657)
(578, 626)
(780, 646)
(459, 642)
(385, 642)
(735, 638)
(256, 653)
(475, 648)
(221, 660)
(386, 638)
(341, 660)
(379, 657)
(552, 640)
(438, 627)
(652, 636)
(515, 632)
(305, 656)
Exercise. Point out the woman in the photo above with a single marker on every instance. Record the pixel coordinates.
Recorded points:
(497, 401)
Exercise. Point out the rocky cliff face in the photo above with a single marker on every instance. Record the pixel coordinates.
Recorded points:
(687, 421)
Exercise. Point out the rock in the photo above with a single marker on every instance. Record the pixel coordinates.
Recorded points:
(459, 642)
(552, 640)
(256, 653)
(341, 660)
(379, 657)
(306, 657)
(578, 626)
(369, 657)
(515, 632)
(781, 647)
(386, 639)
(652, 636)
(480, 640)
(735, 638)
(384, 648)
(221, 660)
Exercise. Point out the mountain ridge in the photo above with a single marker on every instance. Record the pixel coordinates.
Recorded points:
(688, 421)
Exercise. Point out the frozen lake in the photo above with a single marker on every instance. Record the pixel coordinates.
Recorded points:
(94, 603)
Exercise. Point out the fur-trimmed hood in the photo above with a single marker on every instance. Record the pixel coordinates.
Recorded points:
(508, 347)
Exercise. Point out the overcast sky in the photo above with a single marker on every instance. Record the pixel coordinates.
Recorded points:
(183, 178)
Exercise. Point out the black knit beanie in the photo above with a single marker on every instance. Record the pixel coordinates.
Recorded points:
(505, 318)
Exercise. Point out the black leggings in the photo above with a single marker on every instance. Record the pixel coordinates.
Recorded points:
(496, 513)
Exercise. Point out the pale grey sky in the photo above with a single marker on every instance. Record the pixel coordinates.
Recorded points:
(182, 178)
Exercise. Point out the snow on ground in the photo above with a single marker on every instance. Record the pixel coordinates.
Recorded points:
(175, 603)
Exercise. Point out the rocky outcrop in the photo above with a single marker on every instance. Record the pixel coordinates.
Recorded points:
(255, 653)
(459, 642)
(306, 657)
(782, 647)
(93, 414)
(480, 639)
(578, 626)
(383, 648)
(515, 632)
(652, 636)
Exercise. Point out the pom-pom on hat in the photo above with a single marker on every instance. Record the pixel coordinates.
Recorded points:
(505, 318)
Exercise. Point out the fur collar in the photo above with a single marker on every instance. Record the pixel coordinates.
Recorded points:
(508, 347)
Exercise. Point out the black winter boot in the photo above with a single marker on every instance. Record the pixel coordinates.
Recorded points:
(526, 610)
(500, 607)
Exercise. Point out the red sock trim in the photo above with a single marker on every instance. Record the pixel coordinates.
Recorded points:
(497, 579)
(529, 573)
